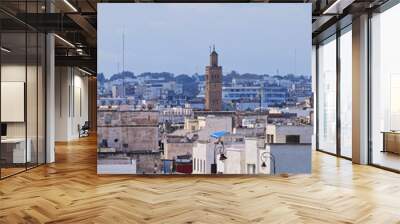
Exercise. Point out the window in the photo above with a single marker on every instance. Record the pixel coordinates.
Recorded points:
(385, 89)
(327, 95)
(251, 168)
(270, 138)
(293, 139)
(334, 94)
(346, 93)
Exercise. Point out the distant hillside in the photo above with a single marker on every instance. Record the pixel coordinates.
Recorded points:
(125, 74)
(189, 83)
(158, 75)
(185, 78)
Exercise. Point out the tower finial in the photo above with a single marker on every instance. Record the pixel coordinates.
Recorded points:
(213, 47)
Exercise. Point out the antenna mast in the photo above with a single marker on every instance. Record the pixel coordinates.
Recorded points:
(123, 50)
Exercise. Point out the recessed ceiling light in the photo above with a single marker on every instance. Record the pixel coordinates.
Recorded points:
(84, 71)
(64, 40)
(70, 5)
(5, 50)
(337, 7)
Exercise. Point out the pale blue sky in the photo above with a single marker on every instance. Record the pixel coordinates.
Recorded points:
(250, 38)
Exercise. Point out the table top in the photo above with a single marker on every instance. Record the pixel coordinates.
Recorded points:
(391, 132)
(13, 140)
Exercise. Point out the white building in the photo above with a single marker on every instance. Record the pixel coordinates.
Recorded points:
(152, 91)
(234, 164)
(289, 148)
(253, 150)
(300, 111)
(242, 157)
(203, 149)
(118, 91)
(254, 121)
(276, 158)
(295, 134)
(206, 153)
(254, 155)
(203, 157)
(175, 114)
(210, 124)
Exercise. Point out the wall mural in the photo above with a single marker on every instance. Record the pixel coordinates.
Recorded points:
(204, 88)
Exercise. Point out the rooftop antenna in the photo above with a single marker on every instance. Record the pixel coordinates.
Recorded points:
(123, 61)
(123, 49)
(210, 49)
(295, 60)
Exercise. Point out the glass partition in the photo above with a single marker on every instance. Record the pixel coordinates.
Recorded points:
(41, 97)
(22, 78)
(13, 114)
(31, 97)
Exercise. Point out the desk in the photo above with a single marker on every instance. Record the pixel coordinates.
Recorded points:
(15, 148)
(391, 141)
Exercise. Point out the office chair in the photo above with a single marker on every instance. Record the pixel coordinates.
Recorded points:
(84, 130)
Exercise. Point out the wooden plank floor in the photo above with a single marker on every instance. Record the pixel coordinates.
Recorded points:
(69, 191)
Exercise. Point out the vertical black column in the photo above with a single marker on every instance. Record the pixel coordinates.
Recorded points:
(338, 73)
(37, 88)
(316, 94)
(369, 96)
(26, 86)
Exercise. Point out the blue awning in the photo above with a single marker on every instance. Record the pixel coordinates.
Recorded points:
(219, 134)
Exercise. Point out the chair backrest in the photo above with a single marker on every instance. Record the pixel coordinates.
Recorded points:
(86, 125)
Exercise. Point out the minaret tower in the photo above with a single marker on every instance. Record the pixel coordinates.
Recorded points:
(213, 84)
